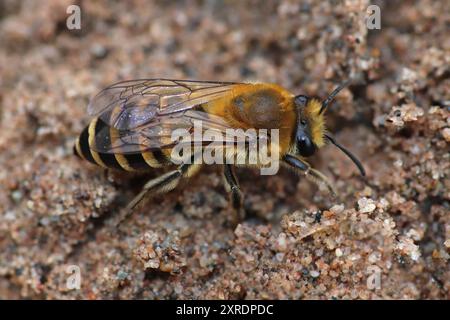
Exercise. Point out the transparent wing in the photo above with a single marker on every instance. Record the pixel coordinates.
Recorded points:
(161, 133)
(134, 103)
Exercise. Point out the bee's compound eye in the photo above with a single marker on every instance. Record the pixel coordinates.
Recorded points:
(305, 146)
(301, 100)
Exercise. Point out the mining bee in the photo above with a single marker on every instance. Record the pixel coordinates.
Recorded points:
(133, 121)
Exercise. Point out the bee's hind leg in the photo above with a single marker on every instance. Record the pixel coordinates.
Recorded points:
(232, 186)
(310, 173)
(161, 184)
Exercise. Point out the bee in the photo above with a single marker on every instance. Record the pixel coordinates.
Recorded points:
(133, 121)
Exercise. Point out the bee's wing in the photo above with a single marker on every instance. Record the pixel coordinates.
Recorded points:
(130, 104)
(158, 134)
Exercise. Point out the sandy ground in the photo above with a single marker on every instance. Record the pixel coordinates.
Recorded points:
(296, 242)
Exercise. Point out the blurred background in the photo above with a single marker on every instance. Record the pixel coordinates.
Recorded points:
(57, 213)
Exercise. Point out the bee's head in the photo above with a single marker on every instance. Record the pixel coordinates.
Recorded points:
(310, 129)
(310, 132)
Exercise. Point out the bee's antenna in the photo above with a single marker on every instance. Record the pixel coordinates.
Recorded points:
(333, 94)
(348, 153)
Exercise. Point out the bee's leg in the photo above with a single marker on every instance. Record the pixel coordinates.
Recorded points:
(232, 186)
(310, 173)
(161, 184)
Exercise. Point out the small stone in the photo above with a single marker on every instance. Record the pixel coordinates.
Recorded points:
(446, 134)
(281, 244)
(413, 234)
(415, 254)
(383, 204)
(98, 203)
(406, 246)
(435, 254)
(279, 256)
(30, 204)
(405, 113)
(16, 195)
(99, 51)
(337, 208)
(152, 264)
(366, 205)
(338, 252)
(374, 257)
(447, 243)
(314, 274)
(122, 275)
(45, 221)
(407, 74)
(398, 163)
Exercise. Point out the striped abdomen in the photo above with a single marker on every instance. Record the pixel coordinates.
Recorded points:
(85, 148)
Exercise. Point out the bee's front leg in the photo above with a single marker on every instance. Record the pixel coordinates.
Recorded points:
(310, 173)
(232, 186)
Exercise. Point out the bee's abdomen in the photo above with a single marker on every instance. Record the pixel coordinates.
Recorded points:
(85, 148)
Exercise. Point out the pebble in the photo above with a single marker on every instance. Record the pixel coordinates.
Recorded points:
(446, 134)
(366, 205)
(17, 195)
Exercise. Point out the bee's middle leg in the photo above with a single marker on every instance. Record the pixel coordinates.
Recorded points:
(161, 184)
(232, 186)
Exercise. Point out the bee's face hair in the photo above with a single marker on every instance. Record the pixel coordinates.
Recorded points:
(309, 134)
